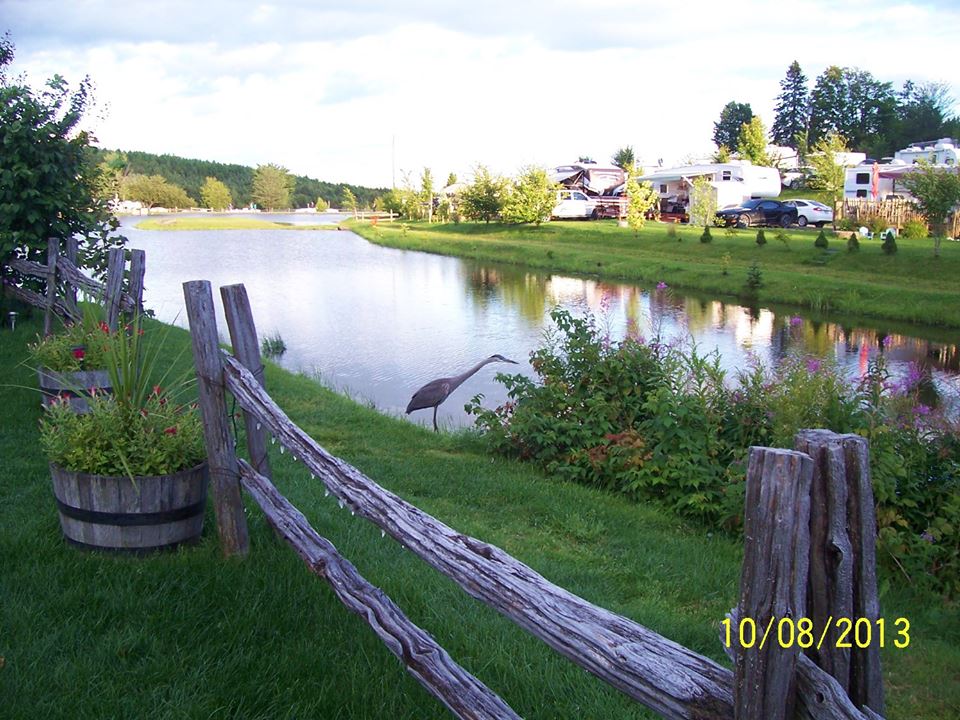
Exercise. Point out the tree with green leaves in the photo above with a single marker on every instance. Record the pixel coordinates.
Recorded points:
(154, 191)
(49, 172)
(215, 194)
(703, 202)
(829, 173)
(321, 205)
(726, 131)
(451, 179)
(792, 112)
(530, 198)
(722, 155)
(641, 199)
(752, 142)
(348, 201)
(625, 158)
(483, 198)
(112, 169)
(426, 193)
(272, 187)
(937, 190)
(829, 104)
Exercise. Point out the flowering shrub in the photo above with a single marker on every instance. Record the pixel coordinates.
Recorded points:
(115, 438)
(663, 423)
(81, 346)
(141, 429)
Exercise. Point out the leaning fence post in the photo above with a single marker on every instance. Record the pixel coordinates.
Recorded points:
(138, 266)
(114, 285)
(53, 249)
(71, 252)
(221, 453)
(243, 338)
(843, 565)
(773, 582)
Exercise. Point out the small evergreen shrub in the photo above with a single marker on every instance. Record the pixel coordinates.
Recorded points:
(672, 232)
(706, 237)
(853, 244)
(889, 242)
(821, 241)
(914, 229)
(761, 238)
(784, 238)
(754, 278)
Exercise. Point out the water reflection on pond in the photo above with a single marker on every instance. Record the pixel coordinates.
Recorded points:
(380, 322)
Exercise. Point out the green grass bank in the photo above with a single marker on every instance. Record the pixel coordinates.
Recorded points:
(190, 635)
(911, 286)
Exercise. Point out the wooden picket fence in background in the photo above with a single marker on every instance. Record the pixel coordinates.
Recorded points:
(809, 553)
(895, 212)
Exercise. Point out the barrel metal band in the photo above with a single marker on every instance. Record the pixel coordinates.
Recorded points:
(131, 519)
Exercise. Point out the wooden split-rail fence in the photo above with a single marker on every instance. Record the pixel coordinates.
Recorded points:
(809, 553)
(63, 279)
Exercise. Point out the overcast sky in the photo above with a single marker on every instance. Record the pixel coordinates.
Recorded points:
(330, 89)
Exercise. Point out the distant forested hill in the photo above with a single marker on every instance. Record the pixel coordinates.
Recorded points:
(190, 174)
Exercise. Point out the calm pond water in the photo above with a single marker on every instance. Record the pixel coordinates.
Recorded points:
(378, 323)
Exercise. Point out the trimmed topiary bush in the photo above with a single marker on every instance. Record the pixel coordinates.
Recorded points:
(821, 241)
(706, 237)
(761, 238)
(853, 244)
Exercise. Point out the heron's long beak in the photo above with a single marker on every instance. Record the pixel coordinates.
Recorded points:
(512, 362)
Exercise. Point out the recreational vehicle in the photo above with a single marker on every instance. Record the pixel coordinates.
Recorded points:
(878, 181)
(733, 183)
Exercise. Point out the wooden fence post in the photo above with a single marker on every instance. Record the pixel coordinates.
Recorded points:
(843, 573)
(71, 252)
(773, 582)
(138, 267)
(221, 453)
(243, 338)
(53, 249)
(114, 285)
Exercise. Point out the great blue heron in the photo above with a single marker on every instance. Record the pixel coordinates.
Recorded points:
(436, 391)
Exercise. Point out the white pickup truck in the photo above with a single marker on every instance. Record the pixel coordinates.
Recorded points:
(573, 204)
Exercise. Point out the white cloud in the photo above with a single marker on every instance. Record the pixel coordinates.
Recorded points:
(324, 89)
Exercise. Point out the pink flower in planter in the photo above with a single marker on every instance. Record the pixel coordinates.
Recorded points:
(79, 351)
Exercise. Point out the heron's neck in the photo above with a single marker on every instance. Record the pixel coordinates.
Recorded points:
(459, 379)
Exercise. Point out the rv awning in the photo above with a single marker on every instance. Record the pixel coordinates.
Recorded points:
(565, 175)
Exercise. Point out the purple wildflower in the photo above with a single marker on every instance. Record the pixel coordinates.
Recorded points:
(927, 537)
(813, 365)
(661, 285)
(796, 320)
(922, 410)
(887, 341)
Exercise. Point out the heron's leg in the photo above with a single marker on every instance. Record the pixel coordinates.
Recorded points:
(435, 428)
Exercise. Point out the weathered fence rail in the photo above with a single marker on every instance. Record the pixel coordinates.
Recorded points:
(63, 279)
(771, 682)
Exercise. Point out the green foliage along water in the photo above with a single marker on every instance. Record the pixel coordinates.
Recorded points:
(190, 174)
(663, 423)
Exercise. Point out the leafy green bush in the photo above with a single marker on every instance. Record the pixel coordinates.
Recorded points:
(81, 346)
(661, 423)
(914, 230)
(821, 241)
(706, 237)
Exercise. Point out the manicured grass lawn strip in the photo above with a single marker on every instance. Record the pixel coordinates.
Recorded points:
(911, 286)
(223, 222)
(189, 634)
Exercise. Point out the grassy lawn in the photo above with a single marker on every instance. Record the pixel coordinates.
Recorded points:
(222, 222)
(911, 286)
(189, 635)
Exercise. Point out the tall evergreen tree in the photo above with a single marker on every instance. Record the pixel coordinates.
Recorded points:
(792, 112)
(829, 105)
(726, 131)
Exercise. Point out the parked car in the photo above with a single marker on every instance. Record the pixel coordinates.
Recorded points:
(574, 204)
(759, 212)
(811, 212)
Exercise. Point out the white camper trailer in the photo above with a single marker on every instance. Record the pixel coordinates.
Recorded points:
(879, 181)
(733, 182)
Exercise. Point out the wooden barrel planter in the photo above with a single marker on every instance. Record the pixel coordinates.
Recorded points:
(74, 386)
(149, 513)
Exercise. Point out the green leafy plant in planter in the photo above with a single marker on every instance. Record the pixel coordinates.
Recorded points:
(72, 364)
(130, 474)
